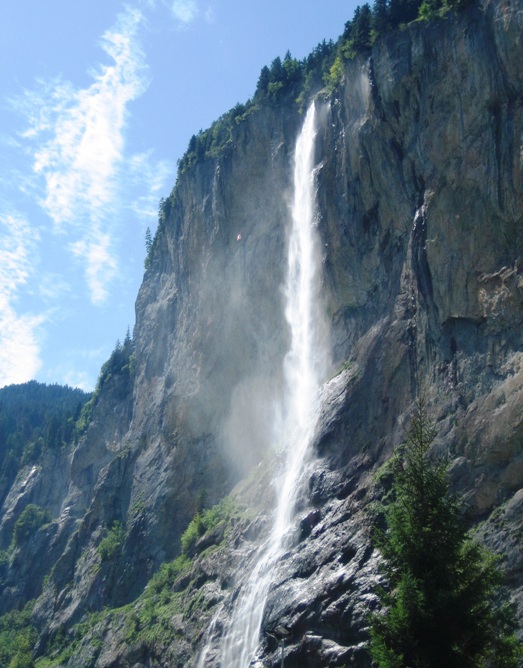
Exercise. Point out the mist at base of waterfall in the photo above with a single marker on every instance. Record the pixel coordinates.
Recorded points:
(304, 368)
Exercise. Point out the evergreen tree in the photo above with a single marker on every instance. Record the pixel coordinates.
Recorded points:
(148, 248)
(263, 82)
(441, 604)
(128, 341)
(277, 72)
(361, 27)
(291, 68)
(380, 17)
(403, 11)
(148, 240)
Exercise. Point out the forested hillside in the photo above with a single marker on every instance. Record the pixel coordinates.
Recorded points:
(34, 418)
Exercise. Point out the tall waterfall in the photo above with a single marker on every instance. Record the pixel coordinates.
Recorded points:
(304, 366)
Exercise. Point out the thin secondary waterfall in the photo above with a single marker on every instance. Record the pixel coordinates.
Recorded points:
(305, 366)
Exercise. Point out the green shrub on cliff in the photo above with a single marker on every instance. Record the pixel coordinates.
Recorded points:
(442, 588)
(206, 520)
(118, 370)
(111, 544)
(30, 520)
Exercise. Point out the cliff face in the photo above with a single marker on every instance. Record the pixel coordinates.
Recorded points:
(421, 199)
(420, 212)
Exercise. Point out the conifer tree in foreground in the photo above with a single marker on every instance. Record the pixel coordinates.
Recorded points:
(441, 596)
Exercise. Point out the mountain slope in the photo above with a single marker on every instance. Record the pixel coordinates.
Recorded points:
(419, 196)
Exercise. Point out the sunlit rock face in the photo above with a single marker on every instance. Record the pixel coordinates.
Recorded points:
(420, 214)
(210, 334)
(421, 200)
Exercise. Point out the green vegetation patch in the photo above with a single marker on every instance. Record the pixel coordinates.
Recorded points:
(203, 522)
(35, 418)
(17, 638)
(63, 646)
(442, 601)
(170, 592)
(119, 366)
(31, 519)
(111, 544)
(150, 619)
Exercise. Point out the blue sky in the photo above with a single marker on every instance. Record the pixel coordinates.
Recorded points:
(98, 101)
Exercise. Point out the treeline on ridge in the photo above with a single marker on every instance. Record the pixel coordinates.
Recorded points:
(118, 371)
(291, 79)
(322, 68)
(34, 418)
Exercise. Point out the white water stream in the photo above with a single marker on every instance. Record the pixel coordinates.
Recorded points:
(305, 367)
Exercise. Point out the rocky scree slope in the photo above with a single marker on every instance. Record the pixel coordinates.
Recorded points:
(420, 207)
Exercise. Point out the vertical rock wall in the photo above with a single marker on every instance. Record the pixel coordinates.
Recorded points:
(420, 210)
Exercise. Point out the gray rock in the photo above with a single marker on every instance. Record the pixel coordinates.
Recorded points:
(420, 194)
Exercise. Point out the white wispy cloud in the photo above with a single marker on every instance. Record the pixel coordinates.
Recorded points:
(78, 149)
(101, 265)
(80, 160)
(73, 160)
(53, 286)
(79, 379)
(210, 16)
(184, 11)
(19, 349)
(141, 168)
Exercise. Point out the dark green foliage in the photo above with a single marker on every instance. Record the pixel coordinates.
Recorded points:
(316, 67)
(30, 520)
(120, 361)
(279, 80)
(4, 566)
(111, 544)
(357, 35)
(263, 82)
(170, 590)
(284, 79)
(148, 240)
(22, 659)
(291, 79)
(34, 418)
(168, 573)
(164, 209)
(147, 621)
(403, 11)
(431, 9)
(148, 248)
(380, 18)
(212, 142)
(17, 638)
(118, 370)
(204, 521)
(61, 646)
(441, 603)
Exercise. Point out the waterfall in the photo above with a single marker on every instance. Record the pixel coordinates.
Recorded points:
(209, 638)
(304, 366)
